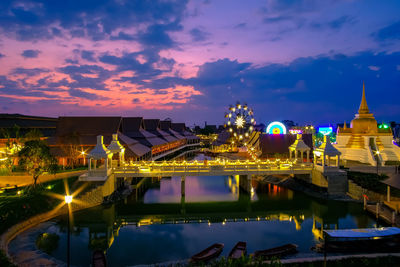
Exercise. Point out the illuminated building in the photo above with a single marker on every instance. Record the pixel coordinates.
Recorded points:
(363, 141)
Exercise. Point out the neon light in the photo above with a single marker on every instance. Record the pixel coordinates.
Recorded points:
(295, 131)
(276, 127)
(325, 130)
(383, 126)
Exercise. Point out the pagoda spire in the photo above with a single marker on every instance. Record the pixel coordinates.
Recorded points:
(363, 106)
(344, 125)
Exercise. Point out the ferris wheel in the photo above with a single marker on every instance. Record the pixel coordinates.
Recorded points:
(240, 121)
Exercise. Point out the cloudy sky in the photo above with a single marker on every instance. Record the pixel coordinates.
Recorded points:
(303, 60)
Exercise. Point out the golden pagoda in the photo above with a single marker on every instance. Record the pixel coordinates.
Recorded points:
(364, 141)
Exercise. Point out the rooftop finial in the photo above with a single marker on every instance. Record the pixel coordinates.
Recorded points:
(363, 106)
(344, 125)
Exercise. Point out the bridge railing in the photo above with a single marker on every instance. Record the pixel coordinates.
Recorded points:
(210, 166)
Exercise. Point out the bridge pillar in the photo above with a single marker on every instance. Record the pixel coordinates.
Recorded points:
(183, 186)
(183, 209)
(245, 182)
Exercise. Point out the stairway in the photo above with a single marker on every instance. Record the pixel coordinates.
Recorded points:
(91, 196)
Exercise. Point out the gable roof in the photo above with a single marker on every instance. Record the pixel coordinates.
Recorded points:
(165, 125)
(151, 124)
(88, 125)
(132, 124)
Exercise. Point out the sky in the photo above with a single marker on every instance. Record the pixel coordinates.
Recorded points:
(300, 60)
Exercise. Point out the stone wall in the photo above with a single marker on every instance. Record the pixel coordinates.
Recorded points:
(337, 183)
(318, 179)
(357, 192)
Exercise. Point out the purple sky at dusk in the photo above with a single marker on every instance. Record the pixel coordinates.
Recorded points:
(303, 60)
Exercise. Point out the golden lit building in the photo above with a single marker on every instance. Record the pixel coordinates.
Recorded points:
(364, 141)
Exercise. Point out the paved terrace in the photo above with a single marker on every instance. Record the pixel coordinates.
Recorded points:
(208, 168)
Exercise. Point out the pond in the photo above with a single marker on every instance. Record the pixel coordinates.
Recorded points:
(162, 226)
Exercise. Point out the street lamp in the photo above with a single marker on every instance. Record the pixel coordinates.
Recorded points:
(68, 201)
(83, 156)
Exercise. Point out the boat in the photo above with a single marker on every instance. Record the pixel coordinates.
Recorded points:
(238, 251)
(276, 251)
(384, 239)
(209, 253)
(99, 259)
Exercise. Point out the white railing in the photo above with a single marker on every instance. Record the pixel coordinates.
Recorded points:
(216, 166)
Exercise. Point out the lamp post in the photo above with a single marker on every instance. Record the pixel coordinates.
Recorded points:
(68, 200)
(377, 162)
(84, 159)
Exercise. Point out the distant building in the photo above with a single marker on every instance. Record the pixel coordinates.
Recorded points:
(143, 139)
(363, 141)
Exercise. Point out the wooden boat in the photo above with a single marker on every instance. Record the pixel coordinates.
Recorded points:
(99, 259)
(384, 239)
(277, 251)
(209, 253)
(238, 251)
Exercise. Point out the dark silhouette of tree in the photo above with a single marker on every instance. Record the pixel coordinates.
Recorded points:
(35, 157)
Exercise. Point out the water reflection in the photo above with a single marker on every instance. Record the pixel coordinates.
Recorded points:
(163, 225)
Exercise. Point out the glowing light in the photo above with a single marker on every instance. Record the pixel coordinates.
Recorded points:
(276, 127)
(325, 130)
(383, 126)
(68, 199)
(240, 122)
(295, 131)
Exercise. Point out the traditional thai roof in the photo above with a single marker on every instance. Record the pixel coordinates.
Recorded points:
(88, 125)
(363, 105)
(299, 144)
(115, 146)
(134, 146)
(133, 128)
(327, 149)
(181, 129)
(153, 126)
(166, 127)
(99, 151)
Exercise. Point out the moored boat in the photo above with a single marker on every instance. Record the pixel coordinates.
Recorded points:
(276, 251)
(384, 239)
(99, 259)
(238, 251)
(209, 253)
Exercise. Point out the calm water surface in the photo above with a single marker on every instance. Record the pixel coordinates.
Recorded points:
(270, 216)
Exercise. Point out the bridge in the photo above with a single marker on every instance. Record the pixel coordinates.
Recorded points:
(199, 168)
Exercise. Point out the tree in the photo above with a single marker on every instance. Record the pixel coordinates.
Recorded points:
(35, 157)
(70, 144)
(12, 146)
